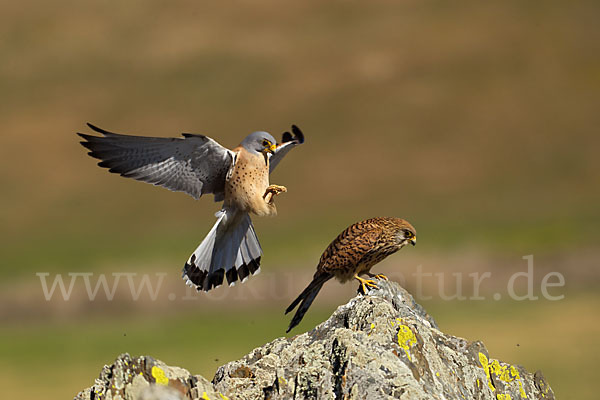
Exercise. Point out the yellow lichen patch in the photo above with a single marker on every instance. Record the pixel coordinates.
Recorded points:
(406, 339)
(484, 363)
(372, 327)
(159, 376)
(515, 373)
(505, 373)
(543, 388)
(508, 373)
(501, 371)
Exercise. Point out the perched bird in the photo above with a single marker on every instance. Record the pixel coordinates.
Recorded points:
(197, 165)
(353, 253)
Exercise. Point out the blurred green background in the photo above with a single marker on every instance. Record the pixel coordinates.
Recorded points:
(476, 121)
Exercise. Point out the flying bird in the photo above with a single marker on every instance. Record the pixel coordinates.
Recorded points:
(196, 165)
(358, 248)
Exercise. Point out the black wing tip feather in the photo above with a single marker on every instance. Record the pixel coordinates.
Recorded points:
(88, 139)
(287, 137)
(83, 136)
(99, 130)
(297, 136)
(191, 135)
(92, 143)
(91, 140)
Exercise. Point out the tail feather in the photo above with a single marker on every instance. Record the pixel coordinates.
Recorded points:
(306, 298)
(230, 251)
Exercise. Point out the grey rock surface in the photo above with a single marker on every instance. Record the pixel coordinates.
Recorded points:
(380, 346)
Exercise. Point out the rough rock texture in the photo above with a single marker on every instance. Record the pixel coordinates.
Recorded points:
(378, 346)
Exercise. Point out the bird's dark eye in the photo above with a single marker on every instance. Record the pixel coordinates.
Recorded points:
(408, 234)
(266, 143)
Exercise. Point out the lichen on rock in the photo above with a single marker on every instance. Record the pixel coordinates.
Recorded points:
(379, 346)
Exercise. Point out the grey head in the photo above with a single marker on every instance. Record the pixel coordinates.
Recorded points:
(260, 142)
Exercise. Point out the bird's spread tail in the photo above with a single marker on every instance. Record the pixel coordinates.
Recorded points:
(230, 250)
(306, 298)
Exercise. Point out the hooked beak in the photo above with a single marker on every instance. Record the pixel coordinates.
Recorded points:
(413, 241)
(270, 149)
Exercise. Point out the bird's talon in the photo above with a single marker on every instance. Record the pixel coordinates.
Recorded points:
(361, 289)
(381, 277)
(276, 189)
(364, 283)
(272, 191)
(371, 283)
(268, 197)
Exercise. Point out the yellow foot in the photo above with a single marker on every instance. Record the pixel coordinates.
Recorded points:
(379, 276)
(272, 191)
(276, 189)
(364, 283)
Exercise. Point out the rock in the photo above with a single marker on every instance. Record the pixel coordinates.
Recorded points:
(379, 346)
(145, 378)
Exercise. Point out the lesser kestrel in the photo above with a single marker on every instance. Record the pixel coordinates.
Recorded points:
(358, 248)
(197, 165)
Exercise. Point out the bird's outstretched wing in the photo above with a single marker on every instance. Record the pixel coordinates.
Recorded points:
(194, 164)
(288, 142)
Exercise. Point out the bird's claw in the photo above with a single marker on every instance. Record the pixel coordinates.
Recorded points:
(381, 277)
(370, 283)
(272, 191)
(276, 189)
(364, 283)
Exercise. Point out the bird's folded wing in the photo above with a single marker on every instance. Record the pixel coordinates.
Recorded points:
(194, 164)
(350, 248)
(288, 142)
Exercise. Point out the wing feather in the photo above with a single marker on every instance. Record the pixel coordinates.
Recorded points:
(288, 142)
(194, 164)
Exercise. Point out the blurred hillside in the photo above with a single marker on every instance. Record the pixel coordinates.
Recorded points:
(477, 122)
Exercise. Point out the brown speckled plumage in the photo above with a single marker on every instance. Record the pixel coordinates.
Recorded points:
(358, 248)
